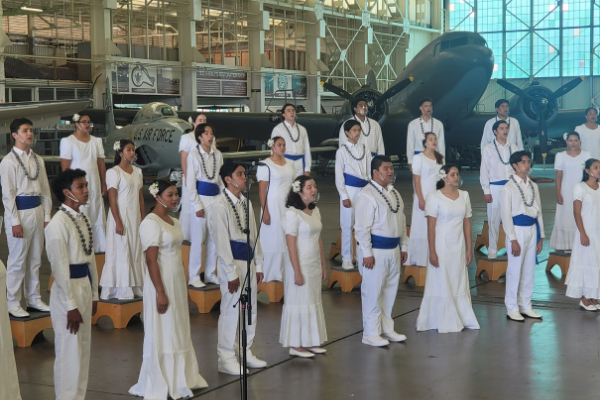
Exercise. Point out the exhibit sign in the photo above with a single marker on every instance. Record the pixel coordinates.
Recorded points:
(222, 83)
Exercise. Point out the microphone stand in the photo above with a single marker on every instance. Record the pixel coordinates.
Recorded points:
(246, 292)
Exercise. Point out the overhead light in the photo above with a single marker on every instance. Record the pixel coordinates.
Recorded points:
(161, 24)
(34, 9)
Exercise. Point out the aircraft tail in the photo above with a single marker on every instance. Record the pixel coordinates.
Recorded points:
(108, 106)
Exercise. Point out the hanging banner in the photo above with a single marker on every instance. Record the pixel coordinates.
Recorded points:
(280, 85)
(222, 83)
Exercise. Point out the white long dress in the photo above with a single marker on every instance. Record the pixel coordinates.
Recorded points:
(446, 304)
(123, 273)
(85, 156)
(9, 381)
(418, 249)
(583, 278)
(169, 366)
(272, 237)
(564, 229)
(590, 140)
(187, 142)
(302, 319)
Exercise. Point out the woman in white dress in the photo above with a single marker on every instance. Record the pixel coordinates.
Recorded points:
(84, 151)
(446, 304)
(583, 278)
(203, 184)
(425, 168)
(123, 273)
(590, 133)
(274, 182)
(169, 366)
(568, 166)
(303, 321)
(187, 143)
(9, 381)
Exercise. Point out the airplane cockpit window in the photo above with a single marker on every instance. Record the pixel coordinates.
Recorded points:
(154, 111)
(459, 42)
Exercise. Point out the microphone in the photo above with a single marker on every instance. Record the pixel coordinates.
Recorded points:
(262, 163)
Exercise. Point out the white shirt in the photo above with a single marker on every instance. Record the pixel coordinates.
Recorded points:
(64, 247)
(224, 227)
(514, 134)
(492, 167)
(590, 140)
(511, 204)
(370, 135)
(15, 183)
(414, 136)
(196, 173)
(301, 147)
(346, 164)
(374, 217)
(187, 142)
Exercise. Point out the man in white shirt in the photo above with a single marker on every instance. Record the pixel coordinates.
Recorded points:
(352, 163)
(297, 145)
(187, 143)
(514, 135)
(74, 295)
(494, 172)
(227, 221)
(382, 244)
(370, 129)
(521, 211)
(417, 128)
(27, 208)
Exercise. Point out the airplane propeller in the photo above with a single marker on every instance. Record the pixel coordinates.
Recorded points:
(540, 104)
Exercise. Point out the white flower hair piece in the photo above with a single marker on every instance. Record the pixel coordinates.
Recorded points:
(190, 120)
(117, 146)
(177, 177)
(422, 137)
(270, 143)
(153, 189)
(442, 174)
(296, 186)
(565, 136)
(76, 117)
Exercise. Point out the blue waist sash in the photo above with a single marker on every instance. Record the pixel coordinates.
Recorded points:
(207, 188)
(351, 180)
(382, 242)
(373, 154)
(499, 183)
(294, 157)
(27, 202)
(526, 220)
(239, 250)
(417, 152)
(80, 271)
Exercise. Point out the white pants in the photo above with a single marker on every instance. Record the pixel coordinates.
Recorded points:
(185, 214)
(493, 213)
(378, 290)
(201, 235)
(25, 258)
(347, 224)
(520, 271)
(72, 363)
(227, 345)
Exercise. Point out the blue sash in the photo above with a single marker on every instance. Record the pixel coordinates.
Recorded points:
(526, 220)
(499, 183)
(80, 271)
(294, 157)
(27, 202)
(239, 250)
(207, 188)
(417, 152)
(382, 242)
(373, 154)
(351, 180)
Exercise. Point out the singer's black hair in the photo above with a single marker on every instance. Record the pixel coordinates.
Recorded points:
(294, 199)
(64, 180)
(377, 161)
(497, 125)
(227, 170)
(588, 165)
(517, 157)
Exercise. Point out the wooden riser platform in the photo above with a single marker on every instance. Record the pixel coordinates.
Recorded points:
(205, 298)
(119, 311)
(484, 238)
(273, 289)
(25, 330)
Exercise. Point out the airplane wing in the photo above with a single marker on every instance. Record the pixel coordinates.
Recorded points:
(41, 114)
(256, 154)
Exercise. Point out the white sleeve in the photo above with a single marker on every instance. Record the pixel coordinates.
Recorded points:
(364, 220)
(410, 144)
(112, 179)
(380, 144)
(487, 134)
(66, 151)
(45, 189)
(259, 257)
(150, 233)
(262, 173)
(99, 147)
(559, 164)
(540, 218)
(307, 155)
(220, 230)
(340, 182)
(184, 143)
(506, 213)
(57, 239)
(343, 137)
(403, 234)
(291, 222)
(578, 193)
(484, 171)
(417, 166)
(468, 208)
(519, 135)
(431, 205)
(8, 177)
(190, 183)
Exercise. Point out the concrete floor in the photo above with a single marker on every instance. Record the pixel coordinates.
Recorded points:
(557, 358)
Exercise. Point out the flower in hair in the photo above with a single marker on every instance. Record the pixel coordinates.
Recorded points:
(296, 186)
(190, 120)
(76, 117)
(153, 189)
(117, 146)
(177, 177)
(565, 136)
(270, 143)
(442, 174)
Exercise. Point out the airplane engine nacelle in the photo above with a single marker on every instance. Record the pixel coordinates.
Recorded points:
(378, 112)
(526, 112)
